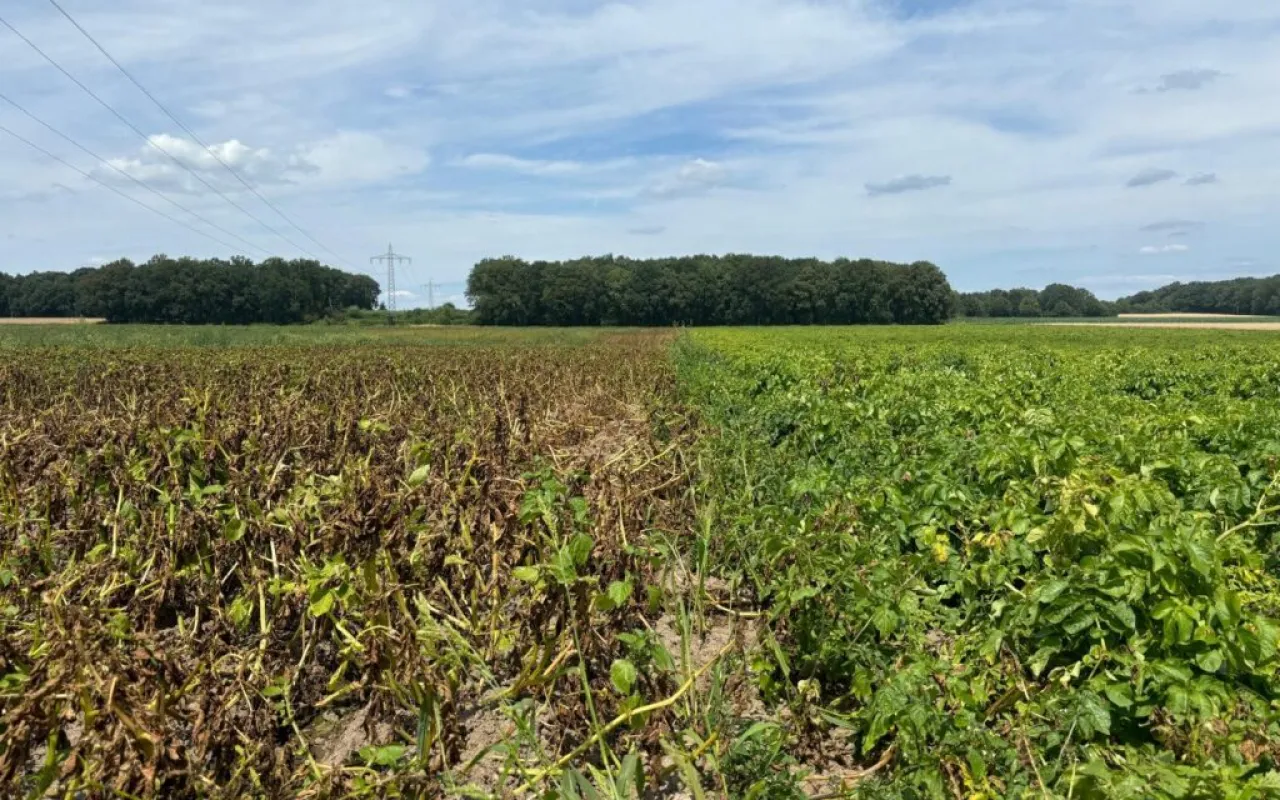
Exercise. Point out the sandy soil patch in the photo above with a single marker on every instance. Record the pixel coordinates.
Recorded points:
(50, 321)
(1221, 326)
(1187, 315)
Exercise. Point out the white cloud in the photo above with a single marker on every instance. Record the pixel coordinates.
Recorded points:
(497, 161)
(356, 157)
(172, 162)
(1151, 250)
(692, 177)
(152, 160)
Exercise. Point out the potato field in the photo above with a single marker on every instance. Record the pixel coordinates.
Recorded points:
(957, 562)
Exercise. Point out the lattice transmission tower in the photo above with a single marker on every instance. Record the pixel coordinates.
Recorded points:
(391, 258)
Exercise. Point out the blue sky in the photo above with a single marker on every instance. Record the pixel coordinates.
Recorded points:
(1115, 144)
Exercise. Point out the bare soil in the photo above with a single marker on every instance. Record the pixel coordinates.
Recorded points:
(335, 739)
(1225, 325)
(486, 728)
(1184, 315)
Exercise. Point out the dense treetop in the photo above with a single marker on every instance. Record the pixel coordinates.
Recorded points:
(1054, 300)
(190, 291)
(1237, 296)
(707, 290)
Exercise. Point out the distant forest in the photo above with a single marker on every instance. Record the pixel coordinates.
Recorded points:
(1260, 296)
(190, 291)
(609, 290)
(1054, 300)
(708, 290)
(1257, 296)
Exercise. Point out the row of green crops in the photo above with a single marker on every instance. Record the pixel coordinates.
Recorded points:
(1004, 563)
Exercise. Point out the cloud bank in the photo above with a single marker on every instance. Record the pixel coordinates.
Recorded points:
(1003, 141)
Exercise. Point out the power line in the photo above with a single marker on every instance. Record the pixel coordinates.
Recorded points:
(192, 133)
(149, 140)
(143, 184)
(108, 186)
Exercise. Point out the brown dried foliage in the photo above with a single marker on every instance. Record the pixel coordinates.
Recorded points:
(205, 555)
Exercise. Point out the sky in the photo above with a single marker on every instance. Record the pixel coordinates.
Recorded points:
(1113, 144)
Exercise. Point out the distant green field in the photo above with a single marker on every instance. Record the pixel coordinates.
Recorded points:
(180, 336)
(964, 335)
(112, 336)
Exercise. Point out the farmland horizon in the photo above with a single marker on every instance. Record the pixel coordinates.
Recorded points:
(610, 290)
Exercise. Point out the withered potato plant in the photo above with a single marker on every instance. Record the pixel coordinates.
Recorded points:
(327, 571)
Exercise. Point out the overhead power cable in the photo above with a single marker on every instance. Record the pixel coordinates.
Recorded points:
(135, 180)
(108, 186)
(234, 173)
(151, 142)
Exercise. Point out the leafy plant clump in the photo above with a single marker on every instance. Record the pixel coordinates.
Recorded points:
(995, 569)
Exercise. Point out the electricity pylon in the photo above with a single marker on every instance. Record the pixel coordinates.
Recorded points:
(391, 257)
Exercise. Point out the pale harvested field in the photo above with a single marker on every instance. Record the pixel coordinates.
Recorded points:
(1176, 315)
(1223, 326)
(50, 321)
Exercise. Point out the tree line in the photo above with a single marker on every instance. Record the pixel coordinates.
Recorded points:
(1260, 296)
(190, 291)
(609, 290)
(1054, 300)
(707, 290)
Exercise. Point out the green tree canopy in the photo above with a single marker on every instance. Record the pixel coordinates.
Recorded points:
(1054, 300)
(707, 290)
(1238, 296)
(190, 291)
